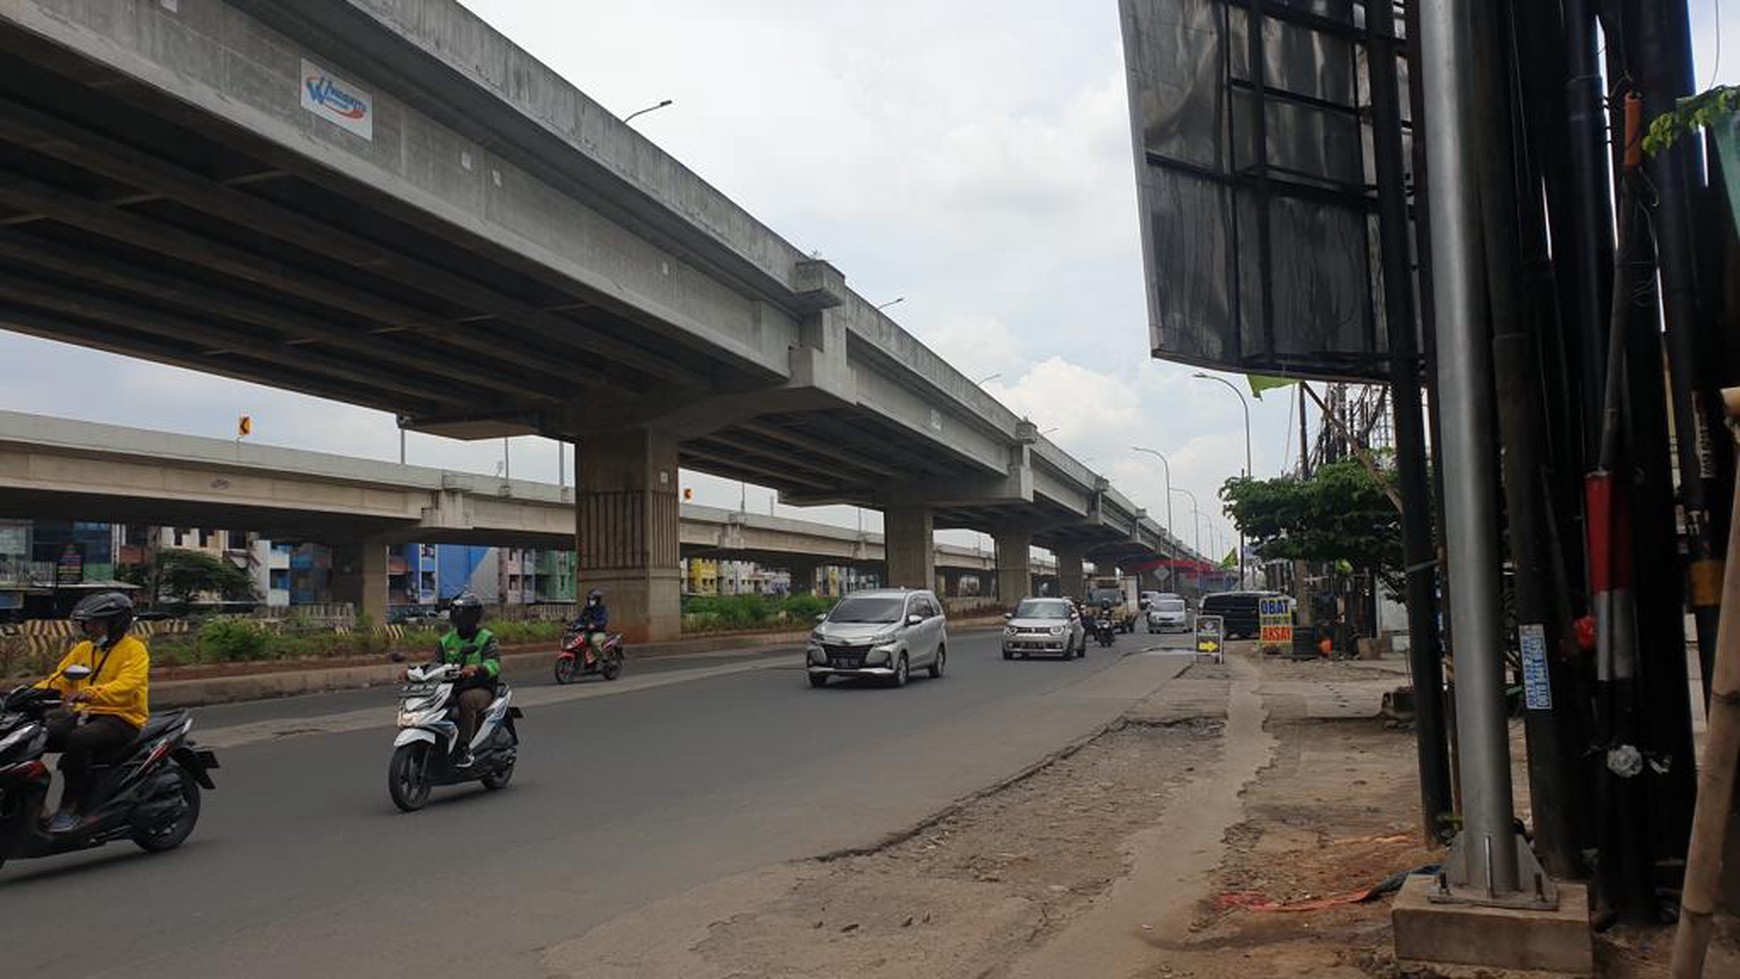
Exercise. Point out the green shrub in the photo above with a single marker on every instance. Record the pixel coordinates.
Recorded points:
(805, 608)
(233, 640)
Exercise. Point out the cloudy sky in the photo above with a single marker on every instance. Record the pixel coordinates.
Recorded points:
(969, 158)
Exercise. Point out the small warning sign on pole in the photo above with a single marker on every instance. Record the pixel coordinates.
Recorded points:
(1210, 640)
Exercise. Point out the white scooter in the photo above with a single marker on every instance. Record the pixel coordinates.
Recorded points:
(426, 752)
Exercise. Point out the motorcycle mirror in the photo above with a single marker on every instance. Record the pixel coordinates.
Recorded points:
(77, 671)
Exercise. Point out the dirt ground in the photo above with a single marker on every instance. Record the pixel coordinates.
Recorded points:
(1225, 829)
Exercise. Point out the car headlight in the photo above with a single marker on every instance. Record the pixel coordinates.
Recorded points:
(816, 638)
(1008, 630)
(1057, 630)
(886, 639)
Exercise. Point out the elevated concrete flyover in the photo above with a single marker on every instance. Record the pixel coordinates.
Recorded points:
(74, 470)
(388, 204)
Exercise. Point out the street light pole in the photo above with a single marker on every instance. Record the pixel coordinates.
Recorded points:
(1168, 465)
(1197, 510)
(642, 112)
(1249, 471)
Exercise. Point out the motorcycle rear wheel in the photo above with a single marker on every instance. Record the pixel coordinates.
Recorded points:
(498, 778)
(408, 776)
(172, 835)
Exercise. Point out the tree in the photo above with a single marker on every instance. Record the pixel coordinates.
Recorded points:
(184, 576)
(1340, 514)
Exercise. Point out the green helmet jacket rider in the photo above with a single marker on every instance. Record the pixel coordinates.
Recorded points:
(479, 648)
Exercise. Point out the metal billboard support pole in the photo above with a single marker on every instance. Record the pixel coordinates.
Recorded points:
(1425, 660)
(1489, 857)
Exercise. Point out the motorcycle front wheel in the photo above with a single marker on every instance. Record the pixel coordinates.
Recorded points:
(567, 669)
(612, 667)
(408, 776)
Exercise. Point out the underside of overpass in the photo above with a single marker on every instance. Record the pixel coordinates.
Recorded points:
(163, 195)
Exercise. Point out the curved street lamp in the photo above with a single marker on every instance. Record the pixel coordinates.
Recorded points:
(1197, 510)
(642, 112)
(1163, 461)
(1249, 471)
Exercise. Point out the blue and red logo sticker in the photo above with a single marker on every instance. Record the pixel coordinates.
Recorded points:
(336, 100)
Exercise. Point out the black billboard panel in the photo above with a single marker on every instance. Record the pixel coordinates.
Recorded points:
(1254, 178)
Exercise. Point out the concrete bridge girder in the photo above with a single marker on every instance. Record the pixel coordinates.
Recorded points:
(645, 285)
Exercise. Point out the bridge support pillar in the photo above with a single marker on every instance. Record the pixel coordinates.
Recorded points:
(911, 548)
(1071, 580)
(803, 577)
(359, 576)
(626, 523)
(1014, 565)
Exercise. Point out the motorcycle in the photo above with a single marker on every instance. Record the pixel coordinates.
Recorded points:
(147, 792)
(426, 751)
(1105, 630)
(571, 662)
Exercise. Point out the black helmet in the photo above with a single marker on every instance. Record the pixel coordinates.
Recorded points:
(466, 611)
(112, 608)
(594, 596)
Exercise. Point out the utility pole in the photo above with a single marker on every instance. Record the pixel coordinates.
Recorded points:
(1489, 860)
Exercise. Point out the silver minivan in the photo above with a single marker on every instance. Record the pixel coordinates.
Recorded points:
(884, 634)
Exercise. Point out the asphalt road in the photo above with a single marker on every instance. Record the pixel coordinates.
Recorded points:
(676, 775)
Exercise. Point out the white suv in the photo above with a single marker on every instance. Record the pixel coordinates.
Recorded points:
(883, 634)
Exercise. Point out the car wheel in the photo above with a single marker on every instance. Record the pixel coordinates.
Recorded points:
(901, 671)
(1008, 655)
(818, 679)
(936, 667)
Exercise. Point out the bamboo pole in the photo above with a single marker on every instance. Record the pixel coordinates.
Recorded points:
(1721, 756)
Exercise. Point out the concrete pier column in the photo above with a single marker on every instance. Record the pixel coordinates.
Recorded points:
(359, 576)
(1071, 581)
(911, 548)
(803, 576)
(626, 523)
(1014, 565)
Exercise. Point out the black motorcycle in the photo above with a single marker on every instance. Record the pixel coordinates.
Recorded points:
(147, 792)
(1105, 630)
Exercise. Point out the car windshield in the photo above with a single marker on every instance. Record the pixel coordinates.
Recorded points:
(1169, 604)
(868, 610)
(1042, 610)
